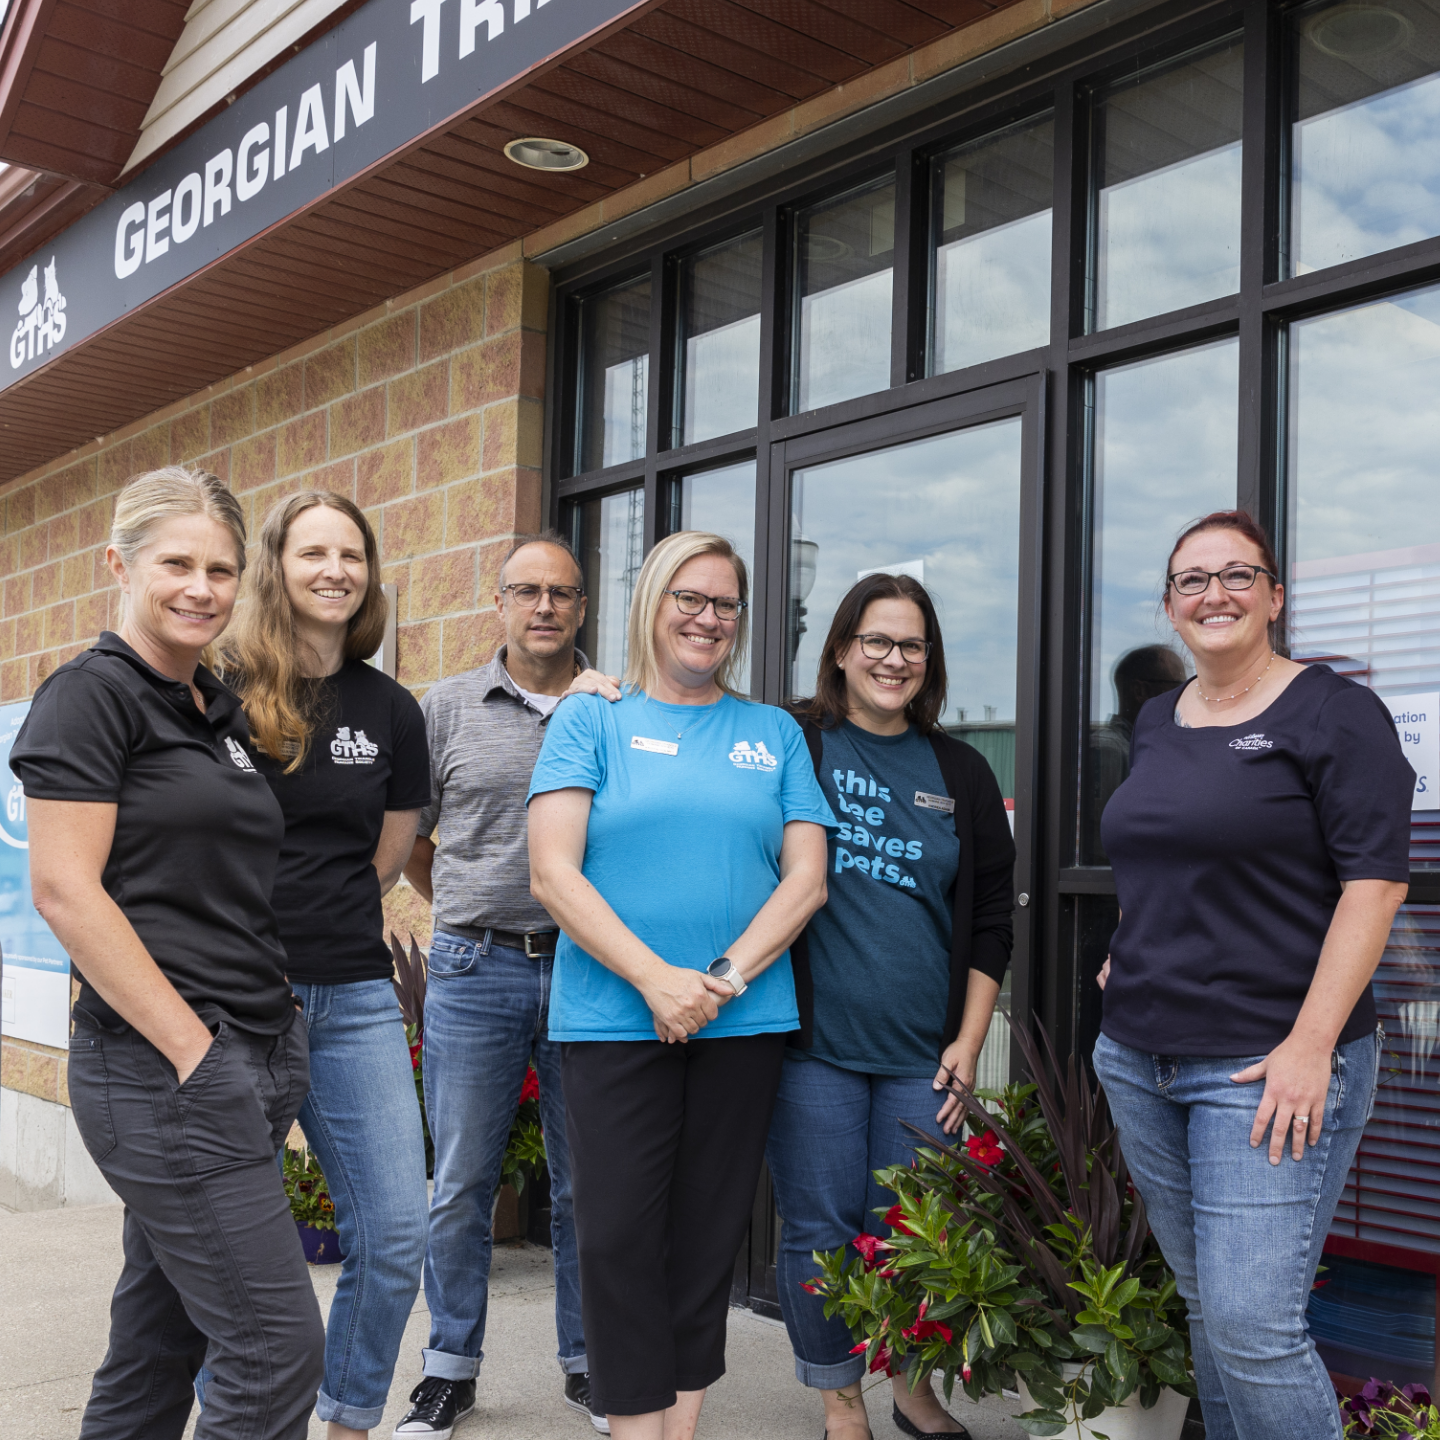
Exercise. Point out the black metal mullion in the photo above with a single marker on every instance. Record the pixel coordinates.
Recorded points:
(659, 399)
(910, 294)
(766, 595)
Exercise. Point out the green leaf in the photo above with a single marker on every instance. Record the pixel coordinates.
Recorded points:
(1115, 1359)
(1041, 1422)
(1023, 1360)
(1125, 1293)
(1004, 1327)
(1091, 1337)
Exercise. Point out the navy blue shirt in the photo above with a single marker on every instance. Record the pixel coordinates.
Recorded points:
(1229, 844)
(880, 946)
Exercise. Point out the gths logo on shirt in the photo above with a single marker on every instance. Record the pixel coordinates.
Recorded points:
(746, 757)
(1252, 742)
(346, 749)
(238, 755)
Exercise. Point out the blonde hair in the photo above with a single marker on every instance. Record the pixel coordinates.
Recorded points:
(148, 500)
(642, 669)
(263, 657)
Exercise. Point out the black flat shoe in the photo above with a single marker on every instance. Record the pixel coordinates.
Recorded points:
(908, 1427)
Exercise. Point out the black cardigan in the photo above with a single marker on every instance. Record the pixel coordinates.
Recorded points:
(984, 927)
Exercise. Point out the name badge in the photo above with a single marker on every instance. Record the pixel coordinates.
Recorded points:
(943, 803)
(661, 747)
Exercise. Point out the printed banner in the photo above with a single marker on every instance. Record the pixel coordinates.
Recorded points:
(1417, 722)
(36, 971)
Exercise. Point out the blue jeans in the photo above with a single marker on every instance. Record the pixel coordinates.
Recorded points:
(362, 1120)
(831, 1129)
(1243, 1237)
(486, 1013)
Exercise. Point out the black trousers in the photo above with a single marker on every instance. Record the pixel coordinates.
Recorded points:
(665, 1149)
(214, 1274)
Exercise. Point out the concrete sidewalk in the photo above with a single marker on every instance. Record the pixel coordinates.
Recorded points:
(59, 1267)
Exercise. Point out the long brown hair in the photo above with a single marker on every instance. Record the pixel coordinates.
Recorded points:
(281, 701)
(830, 705)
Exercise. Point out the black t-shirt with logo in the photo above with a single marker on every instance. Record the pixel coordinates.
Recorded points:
(368, 755)
(197, 831)
(1229, 844)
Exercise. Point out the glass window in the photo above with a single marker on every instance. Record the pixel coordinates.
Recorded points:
(723, 501)
(1165, 454)
(1365, 135)
(614, 376)
(1365, 521)
(991, 215)
(1167, 227)
(608, 534)
(719, 350)
(945, 510)
(844, 260)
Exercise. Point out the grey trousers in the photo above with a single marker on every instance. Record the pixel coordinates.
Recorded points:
(214, 1274)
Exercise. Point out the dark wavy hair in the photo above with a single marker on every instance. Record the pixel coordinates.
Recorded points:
(829, 706)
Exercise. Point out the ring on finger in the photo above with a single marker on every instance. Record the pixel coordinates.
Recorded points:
(1302, 1121)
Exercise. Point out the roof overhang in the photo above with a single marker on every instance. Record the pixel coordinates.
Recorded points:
(224, 252)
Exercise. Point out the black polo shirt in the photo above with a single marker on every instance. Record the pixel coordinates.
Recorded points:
(197, 831)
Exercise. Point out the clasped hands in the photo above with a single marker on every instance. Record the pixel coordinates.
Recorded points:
(683, 1001)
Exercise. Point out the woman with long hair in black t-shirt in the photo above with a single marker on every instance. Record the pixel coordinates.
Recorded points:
(1260, 848)
(343, 748)
(152, 850)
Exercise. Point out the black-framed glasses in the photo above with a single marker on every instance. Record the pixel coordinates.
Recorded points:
(692, 602)
(1232, 577)
(878, 647)
(562, 597)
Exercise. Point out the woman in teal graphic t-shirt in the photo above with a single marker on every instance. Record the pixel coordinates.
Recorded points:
(677, 835)
(898, 974)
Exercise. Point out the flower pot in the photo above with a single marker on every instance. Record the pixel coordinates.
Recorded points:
(321, 1247)
(1130, 1421)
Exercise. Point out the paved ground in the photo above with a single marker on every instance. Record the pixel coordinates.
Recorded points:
(59, 1267)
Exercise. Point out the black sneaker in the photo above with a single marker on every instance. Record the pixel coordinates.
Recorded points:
(578, 1397)
(435, 1406)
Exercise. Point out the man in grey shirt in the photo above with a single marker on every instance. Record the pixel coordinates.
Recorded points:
(487, 1003)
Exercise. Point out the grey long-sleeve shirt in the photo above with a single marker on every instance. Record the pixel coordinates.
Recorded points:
(484, 740)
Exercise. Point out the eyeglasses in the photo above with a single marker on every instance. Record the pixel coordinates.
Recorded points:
(562, 597)
(1232, 577)
(878, 647)
(692, 602)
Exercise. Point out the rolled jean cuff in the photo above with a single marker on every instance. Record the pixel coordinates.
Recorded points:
(449, 1367)
(356, 1417)
(574, 1364)
(830, 1377)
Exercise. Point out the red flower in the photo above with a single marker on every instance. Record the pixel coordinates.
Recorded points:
(927, 1329)
(815, 1286)
(416, 1050)
(965, 1372)
(530, 1090)
(881, 1360)
(985, 1149)
(895, 1219)
(868, 1245)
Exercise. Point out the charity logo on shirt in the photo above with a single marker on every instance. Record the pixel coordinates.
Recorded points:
(870, 830)
(356, 749)
(1252, 742)
(238, 755)
(745, 756)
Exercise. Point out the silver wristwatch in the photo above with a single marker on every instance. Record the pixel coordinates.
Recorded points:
(724, 969)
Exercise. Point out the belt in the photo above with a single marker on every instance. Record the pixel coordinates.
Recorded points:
(537, 944)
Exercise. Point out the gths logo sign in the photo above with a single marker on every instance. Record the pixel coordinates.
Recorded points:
(42, 323)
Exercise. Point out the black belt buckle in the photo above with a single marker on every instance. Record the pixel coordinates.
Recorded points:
(531, 936)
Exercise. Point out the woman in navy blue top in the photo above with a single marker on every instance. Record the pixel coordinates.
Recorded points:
(1260, 847)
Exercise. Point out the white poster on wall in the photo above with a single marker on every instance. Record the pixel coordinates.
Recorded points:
(34, 970)
(1417, 722)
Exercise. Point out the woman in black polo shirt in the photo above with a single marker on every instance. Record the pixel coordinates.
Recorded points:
(1260, 846)
(343, 748)
(153, 841)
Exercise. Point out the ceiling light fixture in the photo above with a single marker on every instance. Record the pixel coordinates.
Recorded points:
(1358, 32)
(535, 153)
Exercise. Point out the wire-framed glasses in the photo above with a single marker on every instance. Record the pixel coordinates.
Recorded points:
(692, 602)
(1232, 577)
(562, 597)
(877, 647)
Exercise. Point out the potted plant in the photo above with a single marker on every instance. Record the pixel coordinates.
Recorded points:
(1392, 1412)
(1023, 1259)
(312, 1207)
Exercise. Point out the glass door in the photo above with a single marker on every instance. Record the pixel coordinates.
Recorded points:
(949, 494)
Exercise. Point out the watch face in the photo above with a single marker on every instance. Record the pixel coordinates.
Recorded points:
(718, 967)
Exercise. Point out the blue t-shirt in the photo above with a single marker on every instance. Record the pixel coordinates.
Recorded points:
(880, 946)
(684, 846)
(1229, 844)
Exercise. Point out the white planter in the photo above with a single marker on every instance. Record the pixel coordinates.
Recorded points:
(1164, 1420)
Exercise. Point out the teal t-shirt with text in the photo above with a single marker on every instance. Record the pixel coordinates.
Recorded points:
(688, 817)
(880, 946)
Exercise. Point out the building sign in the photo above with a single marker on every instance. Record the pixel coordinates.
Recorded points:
(35, 1004)
(1417, 722)
(380, 80)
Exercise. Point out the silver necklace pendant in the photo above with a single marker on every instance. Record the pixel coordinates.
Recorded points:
(1217, 699)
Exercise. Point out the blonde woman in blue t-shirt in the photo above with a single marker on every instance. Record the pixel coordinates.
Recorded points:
(677, 835)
